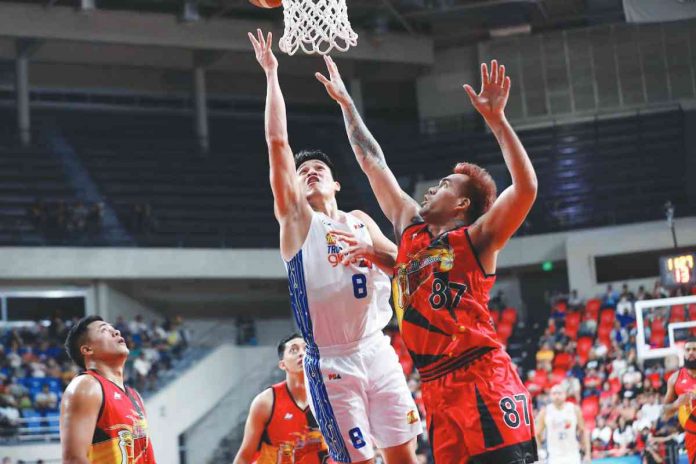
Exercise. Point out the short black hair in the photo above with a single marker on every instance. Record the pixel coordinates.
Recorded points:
(284, 341)
(307, 155)
(76, 337)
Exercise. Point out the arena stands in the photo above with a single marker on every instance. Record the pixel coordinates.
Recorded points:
(34, 369)
(589, 346)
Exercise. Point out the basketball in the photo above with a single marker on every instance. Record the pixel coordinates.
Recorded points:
(267, 3)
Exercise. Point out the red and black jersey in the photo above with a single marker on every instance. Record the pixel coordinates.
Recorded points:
(121, 434)
(291, 432)
(441, 295)
(687, 414)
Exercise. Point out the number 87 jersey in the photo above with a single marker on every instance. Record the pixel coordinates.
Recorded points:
(336, 304)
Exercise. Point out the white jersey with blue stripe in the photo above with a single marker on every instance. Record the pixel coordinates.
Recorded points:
(336, 304)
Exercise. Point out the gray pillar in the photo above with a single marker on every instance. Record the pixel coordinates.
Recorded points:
(22, 89)
(201, 108)
(357, 94)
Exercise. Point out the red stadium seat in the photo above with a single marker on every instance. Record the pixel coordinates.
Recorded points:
(563, 361)
(655, 380)
(509, 315)
(677, 313)
(607, 318)
(604, 335)
(584, 347)
(592, 309)
(614, 384)
(657, 338)
(590, 407)
(572, 324)
(658, 324)
(504, 331)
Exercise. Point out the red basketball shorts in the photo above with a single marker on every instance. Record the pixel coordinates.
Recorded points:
(480, 414)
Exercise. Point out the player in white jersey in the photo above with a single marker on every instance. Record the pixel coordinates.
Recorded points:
(339, 296)
(563, 424)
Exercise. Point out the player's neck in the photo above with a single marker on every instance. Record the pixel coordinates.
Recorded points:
(297, 388)
(327, 206)
(691, 372)
(111, 372)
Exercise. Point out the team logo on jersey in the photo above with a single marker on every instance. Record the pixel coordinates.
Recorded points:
(412, 417)
(117, 396)
(288, 416)
(333, 249)
(411, 275)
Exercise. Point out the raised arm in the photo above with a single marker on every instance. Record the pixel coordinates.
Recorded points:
(399, 207)
(290, 207)
(79, 412)
(492, 230)
(259, 415)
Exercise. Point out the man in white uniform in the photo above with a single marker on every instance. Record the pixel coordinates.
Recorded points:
(564, 427)
(339, 296)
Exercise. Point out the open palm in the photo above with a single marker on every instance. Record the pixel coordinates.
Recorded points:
(495, 90)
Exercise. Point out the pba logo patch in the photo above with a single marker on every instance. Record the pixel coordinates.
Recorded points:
(334, 376)
(411, 417)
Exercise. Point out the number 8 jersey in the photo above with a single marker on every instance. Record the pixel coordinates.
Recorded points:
(343, 304)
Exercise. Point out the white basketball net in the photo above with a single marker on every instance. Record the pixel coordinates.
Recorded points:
(316, 26)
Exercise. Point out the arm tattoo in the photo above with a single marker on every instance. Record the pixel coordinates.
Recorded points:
(362, 141)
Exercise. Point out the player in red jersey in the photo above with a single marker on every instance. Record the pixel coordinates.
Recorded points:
(101, 420)
(280, 427)
(681, 398)
(478, 410)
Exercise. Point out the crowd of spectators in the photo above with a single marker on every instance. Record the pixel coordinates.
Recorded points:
(34, 368)
(589, 347)
(63, 221)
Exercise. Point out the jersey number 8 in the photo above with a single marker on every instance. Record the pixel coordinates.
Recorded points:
(359, 286)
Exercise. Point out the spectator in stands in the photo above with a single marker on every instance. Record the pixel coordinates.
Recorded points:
(610, 298)
(574, 301)
(659, 291)
(45, 400)
(544, 357)
(626, 293)
(642, 294)
(601, 432)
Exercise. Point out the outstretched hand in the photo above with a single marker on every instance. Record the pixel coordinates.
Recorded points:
(264, 53)
(495, 90)
(334, 85)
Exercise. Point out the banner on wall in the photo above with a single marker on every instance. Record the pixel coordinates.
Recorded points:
(653, 11)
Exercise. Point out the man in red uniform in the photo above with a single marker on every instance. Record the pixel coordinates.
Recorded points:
(101, 420)
(681, 398)
(478, 410)
(280, 427)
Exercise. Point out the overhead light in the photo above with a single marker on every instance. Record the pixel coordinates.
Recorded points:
(88, 5)
(511, 30)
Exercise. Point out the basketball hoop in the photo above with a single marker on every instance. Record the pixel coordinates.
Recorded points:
(316, 26)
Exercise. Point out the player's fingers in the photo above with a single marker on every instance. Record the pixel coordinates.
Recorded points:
(269, 39)
(254, 42)
(260, 36)
(506, 84)
(342, 233)
(501, 75)
(471, 92)
(485, 79)
(494, 71)
(320, 77)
